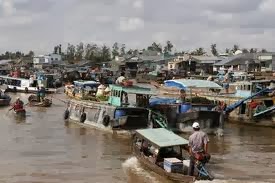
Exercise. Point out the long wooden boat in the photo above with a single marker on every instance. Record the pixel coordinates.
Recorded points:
(34, 102)
(117, 114)
(150, 147)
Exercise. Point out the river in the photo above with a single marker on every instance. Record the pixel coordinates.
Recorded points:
(42, 148)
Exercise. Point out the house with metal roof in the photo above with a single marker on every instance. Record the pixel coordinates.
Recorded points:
(260, 62)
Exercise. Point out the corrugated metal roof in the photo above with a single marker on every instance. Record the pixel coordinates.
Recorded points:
(162, 137)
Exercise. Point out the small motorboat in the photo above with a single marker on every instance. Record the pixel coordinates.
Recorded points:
(5, 100)
(20, 112)
(33, 101)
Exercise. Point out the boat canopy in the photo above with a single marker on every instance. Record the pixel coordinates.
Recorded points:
(86, 83)
(133, 89)
(161, 137)
(191, 83)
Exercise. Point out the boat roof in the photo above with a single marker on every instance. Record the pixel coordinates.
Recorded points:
(81, 82)
(7, 77)
(133, 89)
(162, 137)
(191, 83)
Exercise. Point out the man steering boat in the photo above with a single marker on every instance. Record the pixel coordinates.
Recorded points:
(198, 147)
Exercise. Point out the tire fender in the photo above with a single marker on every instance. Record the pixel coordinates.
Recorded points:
(66, 114)
(83, 117)
(106, 120)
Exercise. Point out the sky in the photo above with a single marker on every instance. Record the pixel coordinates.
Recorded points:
(39, 25)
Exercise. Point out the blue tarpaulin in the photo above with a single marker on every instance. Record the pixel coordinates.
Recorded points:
(157, 101)
(191, 83)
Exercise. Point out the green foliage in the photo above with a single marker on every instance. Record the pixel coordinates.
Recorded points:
(214, 50)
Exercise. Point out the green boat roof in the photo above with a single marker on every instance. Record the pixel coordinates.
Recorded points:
(133, 89)
(162, 137)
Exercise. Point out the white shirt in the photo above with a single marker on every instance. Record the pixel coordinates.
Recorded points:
(100, 90)
(120, 79)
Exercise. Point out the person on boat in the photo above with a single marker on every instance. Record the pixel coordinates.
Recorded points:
(100, 90)
(261, 107)
(42, 93)
(18, 105)
(198, 147)
(38, 94)
(121, 78)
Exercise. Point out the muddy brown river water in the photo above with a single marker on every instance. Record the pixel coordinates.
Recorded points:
(44, 149)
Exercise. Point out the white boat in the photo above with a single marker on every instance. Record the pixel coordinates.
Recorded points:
(23, 85)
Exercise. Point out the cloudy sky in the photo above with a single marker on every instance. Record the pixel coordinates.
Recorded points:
(41, 24)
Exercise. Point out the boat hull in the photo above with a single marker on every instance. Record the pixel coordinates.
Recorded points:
(15, 89)
(20, 113)
(153, 167)
(102, 116)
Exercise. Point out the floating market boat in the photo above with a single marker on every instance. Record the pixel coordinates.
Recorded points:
(166, 154)
(183, 111)
(82, 90)
(117, 114)
(252, 103)
(33, 101)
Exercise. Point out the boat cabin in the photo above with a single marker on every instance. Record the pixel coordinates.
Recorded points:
(163, 152)
(119, 95)
(247, 88)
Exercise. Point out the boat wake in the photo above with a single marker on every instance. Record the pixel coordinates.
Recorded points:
(136, 173)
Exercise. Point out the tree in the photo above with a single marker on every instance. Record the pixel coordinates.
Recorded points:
(244, 50)
(155, 47)
(130, 52)
(105, 54)
(79, 51)
(227, 50)
(30, 54)
(115, 51)
(168, 47)
(264, 51)
(253, 50)
(214, 49)
(60, 49)
(235, 48)
(199, 51)
(122, 50)
(70, 52)
(55, 49)
(91, 51)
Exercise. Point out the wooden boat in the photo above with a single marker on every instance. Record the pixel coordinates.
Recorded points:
(34, 102)
(116, 115)
(150, 146)
(20, 113)
(5, 100)
(182, 113)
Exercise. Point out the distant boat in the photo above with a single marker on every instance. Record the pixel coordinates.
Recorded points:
(22, 85)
